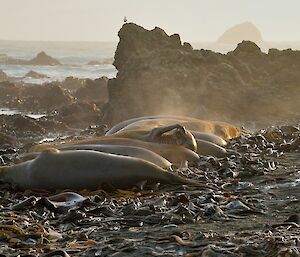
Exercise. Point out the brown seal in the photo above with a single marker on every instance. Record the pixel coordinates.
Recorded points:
(222, 129)
(177, 155)
(83, 169)
(173, 134)
(131, 151)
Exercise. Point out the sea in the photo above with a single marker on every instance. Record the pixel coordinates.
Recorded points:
(75, 57)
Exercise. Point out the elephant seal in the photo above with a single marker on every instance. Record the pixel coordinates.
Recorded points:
(209, 148)
(84, 169)
(131, 151)
(209, 137)
(222, 129)
(177, 155)
(173, 134)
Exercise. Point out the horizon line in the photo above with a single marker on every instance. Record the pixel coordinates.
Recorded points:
(109, 41)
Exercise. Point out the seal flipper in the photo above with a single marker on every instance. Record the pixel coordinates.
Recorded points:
(140, 185)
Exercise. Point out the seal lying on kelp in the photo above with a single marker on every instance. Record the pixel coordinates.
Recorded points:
(84, 169)
(177, 155)
(174, 134)
(131, 151)
(222, 129)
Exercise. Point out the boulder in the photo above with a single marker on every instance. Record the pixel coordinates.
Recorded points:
(72, 84)
(79, 114)
(93, 90)
(45, 97)
(3, 76)
(35, 75)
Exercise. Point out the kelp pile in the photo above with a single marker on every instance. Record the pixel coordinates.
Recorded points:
(250, 207)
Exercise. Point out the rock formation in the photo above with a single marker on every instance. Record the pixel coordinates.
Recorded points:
(41, 59)
(93, 90)
(3, 76)
(157, 74)
(72, 84)
(35, 75)
(240, 32)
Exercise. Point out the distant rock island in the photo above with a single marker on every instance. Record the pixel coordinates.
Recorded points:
(240, 32)
(41, 59)
(35, 75)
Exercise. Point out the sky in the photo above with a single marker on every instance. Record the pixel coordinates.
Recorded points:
(100, 20)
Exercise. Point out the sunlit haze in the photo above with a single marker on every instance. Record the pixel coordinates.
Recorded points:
(98, 20)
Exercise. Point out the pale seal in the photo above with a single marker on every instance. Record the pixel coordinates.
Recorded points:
(124, 150)
(83, 169)
(208, 148)
(177, 155)
(222, 129)
(209, 137)
(174, 134)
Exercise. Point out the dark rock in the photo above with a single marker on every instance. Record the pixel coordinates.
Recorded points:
(3, 76)
(137, 41)
(240, 32)
(45, 97)
(8, 91)
(247, 47)
(72, 84)
(43, 59)
(36, 98)
(35, 75)
(6, 139)
(19, 126)
(79, 114)
(93, 90)
(158, 75)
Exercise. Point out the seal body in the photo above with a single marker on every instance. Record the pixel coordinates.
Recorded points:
(209, 137)
(208, 148)
(177, 155)
(83, 169)
(222, 129)
(174, 134)
(131, 151)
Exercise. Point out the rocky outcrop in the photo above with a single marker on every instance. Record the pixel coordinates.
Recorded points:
(3, 76)
(8, 91)
(93, 90)
(78, 114)
(41, 59)
(157, 74)
(35, 75)
(37, 98)
(240, 32)
(51, 96)
(72, 84)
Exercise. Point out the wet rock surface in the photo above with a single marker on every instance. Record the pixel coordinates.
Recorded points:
(50, 96)
(52, 107)
(249, 208)
(93, 90)
(157, 74)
